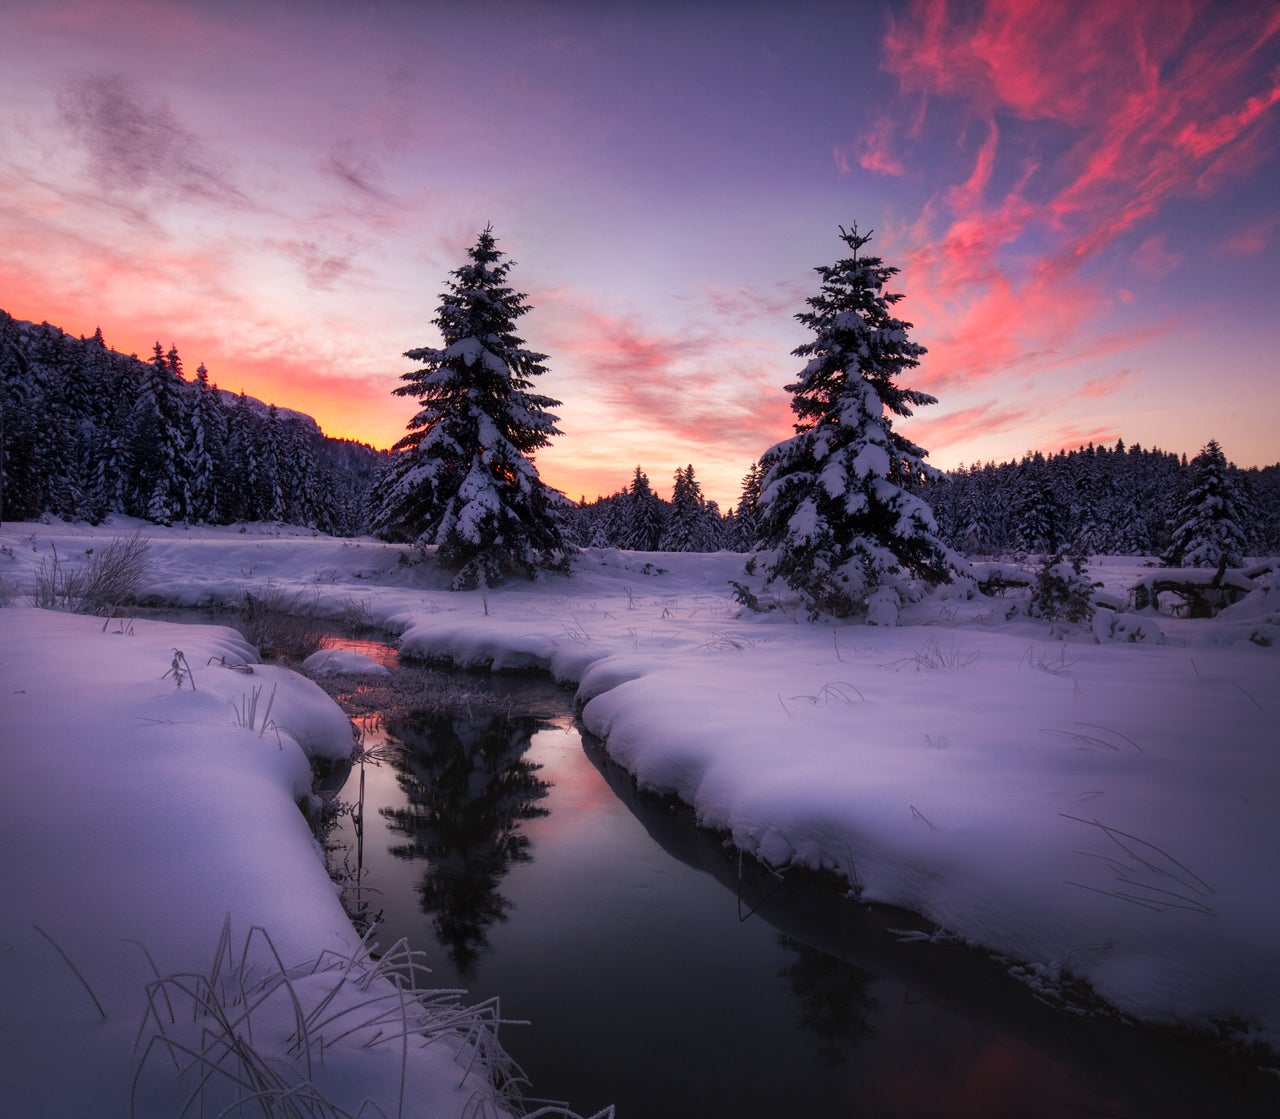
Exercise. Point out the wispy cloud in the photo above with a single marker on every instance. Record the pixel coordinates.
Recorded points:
(356, 169)
(322, 264)
(1078, 132)
(703, 386)
(138, 152)
(1097, 387)
(961, 427)
(1252, 239)
(744, 305)
(873, 151)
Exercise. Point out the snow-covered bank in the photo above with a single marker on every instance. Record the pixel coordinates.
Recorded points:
(1101, 809)
(141, 820)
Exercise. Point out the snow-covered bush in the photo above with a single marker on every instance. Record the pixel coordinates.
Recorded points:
(1062, 591)
(1109, 626)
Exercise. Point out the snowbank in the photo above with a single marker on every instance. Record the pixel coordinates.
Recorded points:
(154, 831)
(1101, 804)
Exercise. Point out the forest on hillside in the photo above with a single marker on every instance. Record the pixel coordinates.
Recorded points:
(86, 432)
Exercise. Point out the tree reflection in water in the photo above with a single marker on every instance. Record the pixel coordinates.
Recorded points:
(468, 787)
(836, 1003)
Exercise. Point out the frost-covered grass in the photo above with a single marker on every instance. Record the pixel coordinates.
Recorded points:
(154, 774)
(97, 579)
(1097, 801)
(251, 1033)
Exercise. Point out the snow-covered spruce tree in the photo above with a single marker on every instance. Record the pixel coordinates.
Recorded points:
(691, 525)
(1062, 590)
(159, 424)
(1208, 528)
(644, 516)
(841, 516)
(746, 516)
(206, 434)
(462, 478)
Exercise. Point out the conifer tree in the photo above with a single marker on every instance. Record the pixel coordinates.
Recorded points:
(1037, 518)
(746, 514)
(159, 422)
(1208, 526)
(269, 496)
(462, 478)
(239, 481)
(688, 527)
(841, 507)
(14, 371)
(609, 520)
(643, 516)
(204, 448)
(1062, 590)
(974, 514)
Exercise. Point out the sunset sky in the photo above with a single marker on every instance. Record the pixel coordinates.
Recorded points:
(1082, 197)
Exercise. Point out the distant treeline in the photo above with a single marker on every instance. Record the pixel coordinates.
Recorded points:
(86, 431)
(1096, 500)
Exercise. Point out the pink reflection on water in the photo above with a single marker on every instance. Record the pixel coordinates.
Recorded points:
(379, 651)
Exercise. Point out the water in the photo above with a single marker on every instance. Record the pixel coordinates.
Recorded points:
(662, 975)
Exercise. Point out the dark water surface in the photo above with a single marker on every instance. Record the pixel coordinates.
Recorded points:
(662, 976)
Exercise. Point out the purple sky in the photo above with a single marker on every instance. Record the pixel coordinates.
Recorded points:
(1082, 197)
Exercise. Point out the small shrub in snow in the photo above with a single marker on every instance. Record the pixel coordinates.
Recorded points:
(1062, 591)
(1109, 626)
(745, 596)
(281, 626)
(1265, 636)
(107, 576)
(246, 714)
(882, 607)
(930, 656)
(180, 670)
(836, 691)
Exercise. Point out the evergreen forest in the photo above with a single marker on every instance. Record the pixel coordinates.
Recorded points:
(86, 432)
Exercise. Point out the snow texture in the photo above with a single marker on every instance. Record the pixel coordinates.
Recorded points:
(142, 819)
(1098, 800)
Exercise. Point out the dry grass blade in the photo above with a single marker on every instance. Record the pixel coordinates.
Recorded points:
(74, 970)
(253, 1033)
(1156, 861)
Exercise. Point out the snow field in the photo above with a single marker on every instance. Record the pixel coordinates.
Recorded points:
(1104, 811)
(152, 832)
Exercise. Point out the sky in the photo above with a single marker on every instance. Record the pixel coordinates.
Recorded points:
(1081, 197)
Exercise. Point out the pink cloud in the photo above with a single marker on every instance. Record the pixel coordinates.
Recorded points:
(1152, 259)
(1108, 117)
(1041, 61)
(1251, 240)
(1097, 387)
(954, 430)
(873, 150)
(1071, 436)
(704, 385)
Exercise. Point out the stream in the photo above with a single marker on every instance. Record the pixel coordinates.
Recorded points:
(662, 973)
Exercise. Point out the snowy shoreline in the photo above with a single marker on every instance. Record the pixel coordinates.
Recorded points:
(168, 884)
(1102, 812)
